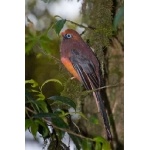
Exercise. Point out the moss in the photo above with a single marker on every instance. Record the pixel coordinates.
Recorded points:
(97, 13)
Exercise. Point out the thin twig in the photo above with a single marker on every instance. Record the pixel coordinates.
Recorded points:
(80, 25)
(107, 86)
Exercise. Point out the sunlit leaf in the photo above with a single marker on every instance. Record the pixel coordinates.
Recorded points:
(50, 80)
(42, 105)
(34, 91)
(33, 82)
(59, 25)
(64, 100)
(105, 143)
(99, 139)
(40, 96)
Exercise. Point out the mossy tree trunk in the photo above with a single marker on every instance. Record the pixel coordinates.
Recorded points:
(98, 14)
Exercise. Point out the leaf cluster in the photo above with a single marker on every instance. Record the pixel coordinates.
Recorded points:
(47, 117)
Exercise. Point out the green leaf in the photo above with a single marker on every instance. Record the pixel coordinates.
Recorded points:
(46, 44)
(59, 25)
(119, 15)
(33, 82)
(45, 115)
(59, 122)
(64, 100)
(40, 96)
(98, 146)
(34, 128)
(43, 129)
(50, 80)
(33, 104)
(106, 146)
(29, 46)
(105, 143)
(28, 123)
(42, 105)
(99, 139)
(77, 141)
(86, 144)
(32, 90)
(28, 95)
(56, 120)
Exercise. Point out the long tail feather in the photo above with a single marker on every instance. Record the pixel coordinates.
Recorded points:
(90, 82)
(102, 109)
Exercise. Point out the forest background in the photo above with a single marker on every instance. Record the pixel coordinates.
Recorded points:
(49, 86)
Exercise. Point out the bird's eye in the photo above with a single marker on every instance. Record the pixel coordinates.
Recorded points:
(68, 36)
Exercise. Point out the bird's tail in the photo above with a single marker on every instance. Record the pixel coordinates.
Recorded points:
(101, 108)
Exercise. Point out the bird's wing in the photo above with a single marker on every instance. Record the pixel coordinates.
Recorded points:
(85, 69)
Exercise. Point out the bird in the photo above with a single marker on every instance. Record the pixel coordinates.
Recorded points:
(79, 59)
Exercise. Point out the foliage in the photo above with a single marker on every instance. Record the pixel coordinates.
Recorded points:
(47, 112)
(44, 113)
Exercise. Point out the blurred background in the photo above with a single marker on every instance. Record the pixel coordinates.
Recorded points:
(42, 59)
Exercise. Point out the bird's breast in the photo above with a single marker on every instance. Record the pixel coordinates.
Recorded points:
(66, 62)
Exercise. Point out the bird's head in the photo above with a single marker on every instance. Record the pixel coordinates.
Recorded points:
(70, 34)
